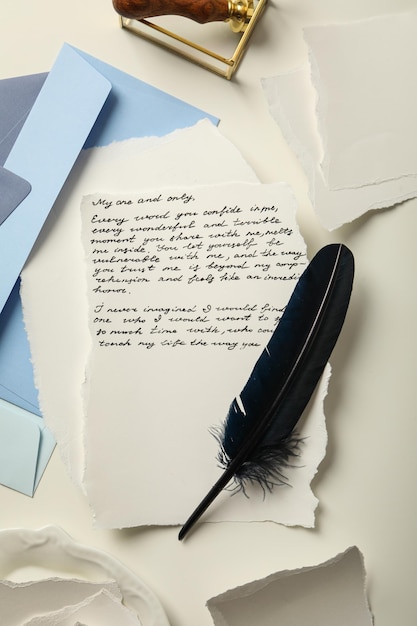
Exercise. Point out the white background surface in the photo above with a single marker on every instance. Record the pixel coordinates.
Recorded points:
(366, 485)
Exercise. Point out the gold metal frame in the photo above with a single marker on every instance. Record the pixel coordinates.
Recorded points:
(226, 66)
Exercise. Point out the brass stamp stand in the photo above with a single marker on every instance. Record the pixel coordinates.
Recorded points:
(242, 21)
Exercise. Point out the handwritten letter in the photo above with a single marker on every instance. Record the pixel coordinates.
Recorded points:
(185, 287)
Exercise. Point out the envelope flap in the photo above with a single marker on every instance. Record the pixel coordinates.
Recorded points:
(14, 189)
(17, 96)
(19, 448)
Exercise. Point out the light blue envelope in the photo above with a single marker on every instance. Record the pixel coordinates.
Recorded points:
(26, 446)
(43, 153)
(133, 109)
(17, 96)
(16, 371)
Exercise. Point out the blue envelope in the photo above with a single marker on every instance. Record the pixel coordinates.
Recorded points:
(44, 152)
(132, 109)
(44, 140)
(16, 371)
(17, 96)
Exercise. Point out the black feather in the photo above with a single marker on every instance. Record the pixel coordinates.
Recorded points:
(258, 438)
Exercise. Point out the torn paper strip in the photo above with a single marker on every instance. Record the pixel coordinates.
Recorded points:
(327, 594)
(101, 609)
(21, 601)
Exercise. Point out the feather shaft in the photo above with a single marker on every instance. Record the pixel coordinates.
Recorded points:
(258, 432)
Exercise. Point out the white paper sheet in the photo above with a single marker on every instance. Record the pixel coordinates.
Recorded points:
(185, 287)
(364, 75)
(53, 281)
(293, 98)
(324, 595)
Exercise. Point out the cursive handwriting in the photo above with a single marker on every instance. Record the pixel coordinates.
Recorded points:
(188, 269)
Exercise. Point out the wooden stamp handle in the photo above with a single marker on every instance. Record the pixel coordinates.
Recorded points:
(201, 11)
